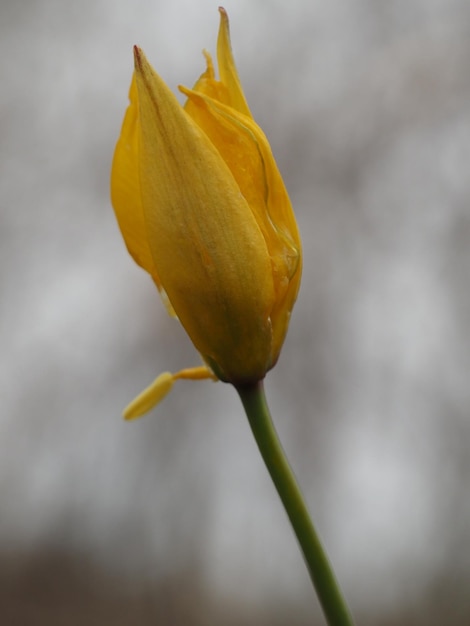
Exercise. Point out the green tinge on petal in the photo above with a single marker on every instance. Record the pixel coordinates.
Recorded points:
(211, 255)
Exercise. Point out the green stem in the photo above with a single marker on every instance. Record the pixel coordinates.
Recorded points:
(334, 607)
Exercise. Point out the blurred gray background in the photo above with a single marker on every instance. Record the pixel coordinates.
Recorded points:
(173, 519)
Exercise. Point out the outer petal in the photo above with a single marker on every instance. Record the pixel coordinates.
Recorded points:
(260, 182)
(125, 187)
(126, 194)
(211, 256)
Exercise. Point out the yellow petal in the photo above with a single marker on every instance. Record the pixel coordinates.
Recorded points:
(262, 186)
(126, 195)
(211, 255)
(208, 85)
(125, 187)
(227, 69)
(256, 174)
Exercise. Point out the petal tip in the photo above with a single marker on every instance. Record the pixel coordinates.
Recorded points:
(138, 57)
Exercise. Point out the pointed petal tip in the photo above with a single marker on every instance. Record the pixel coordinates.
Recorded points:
(138, 57)
(224, 17)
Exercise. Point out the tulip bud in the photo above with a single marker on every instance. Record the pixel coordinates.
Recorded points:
(203, 209)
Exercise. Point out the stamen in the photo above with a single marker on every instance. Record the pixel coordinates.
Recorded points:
(149, 397)
(161, 386)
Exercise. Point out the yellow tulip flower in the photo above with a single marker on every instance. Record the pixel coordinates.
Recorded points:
(203, 209)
